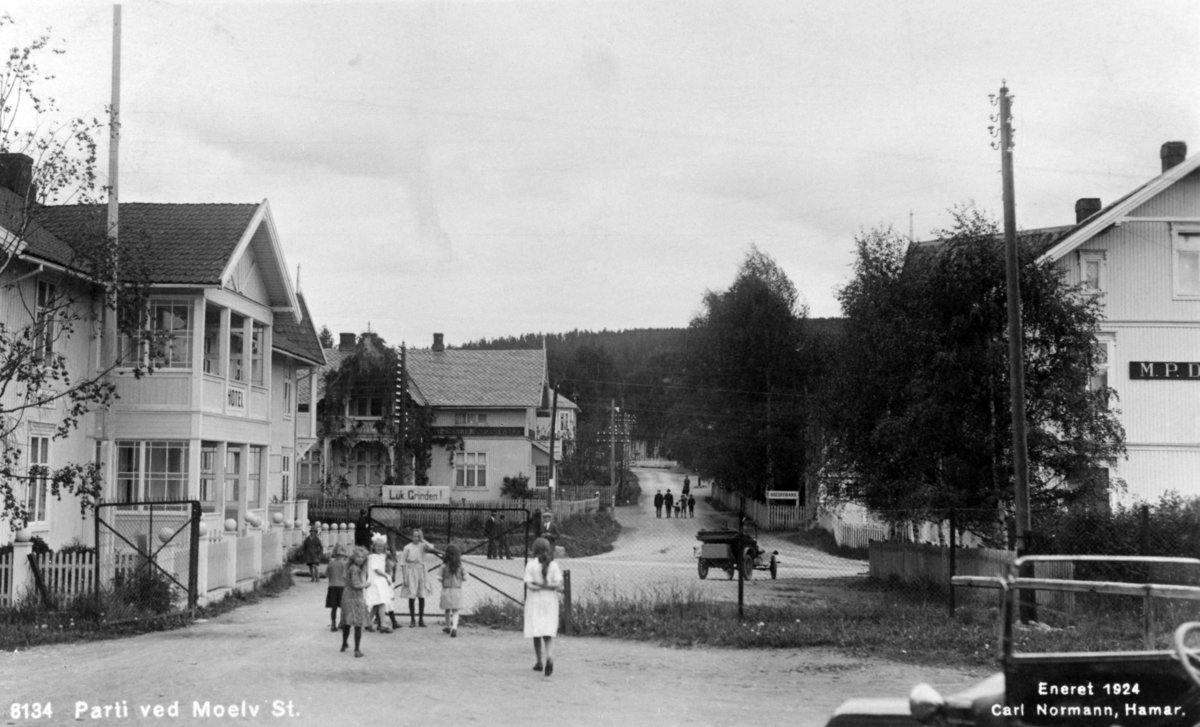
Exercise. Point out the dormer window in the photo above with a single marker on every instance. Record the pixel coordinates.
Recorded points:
(1185, 259)
(1093, 273)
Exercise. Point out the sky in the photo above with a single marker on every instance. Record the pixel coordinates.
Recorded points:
(496, 168)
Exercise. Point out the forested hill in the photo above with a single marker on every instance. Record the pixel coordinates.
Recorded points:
(643, 368)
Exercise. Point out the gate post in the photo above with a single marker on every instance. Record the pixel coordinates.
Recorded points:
(194, 557)
(567, 601)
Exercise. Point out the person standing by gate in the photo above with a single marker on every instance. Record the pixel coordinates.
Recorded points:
(658, 503)
(362, 530)
(502, 539)
(416, 585)
(489, 531)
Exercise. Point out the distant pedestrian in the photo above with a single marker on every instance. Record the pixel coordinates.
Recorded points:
(691, 506)
(687, 485)
(313, 550)
(658, 503)
(668, 502)
(453, 577)
(550, 530)
(336, 573)
(490, 529)
(678, 507)
(502, 539)
(354, 605)
(416, 585)
(543, 581)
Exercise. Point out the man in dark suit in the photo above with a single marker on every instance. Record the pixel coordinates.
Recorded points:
(668, 503)
(658, 503)
(490, 530)
(502, 537)
(362, 530)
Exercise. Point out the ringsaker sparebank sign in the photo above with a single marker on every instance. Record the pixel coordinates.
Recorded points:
(416, 495)
(1164, 370)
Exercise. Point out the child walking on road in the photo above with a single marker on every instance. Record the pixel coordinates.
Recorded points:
(336, 572)
(379, 588)
(453, 577)
(313, 549)
(543, 579)
(354, 605)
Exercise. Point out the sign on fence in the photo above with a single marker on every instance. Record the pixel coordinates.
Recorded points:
(793, 495)
(416, 495)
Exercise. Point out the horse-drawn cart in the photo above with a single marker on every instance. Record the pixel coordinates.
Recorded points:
(729, 549)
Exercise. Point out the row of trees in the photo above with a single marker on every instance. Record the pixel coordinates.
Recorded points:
(903, 406)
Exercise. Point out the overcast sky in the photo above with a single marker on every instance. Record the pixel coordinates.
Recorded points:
(496, 168)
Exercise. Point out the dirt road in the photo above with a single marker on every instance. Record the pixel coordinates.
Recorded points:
(277, 662)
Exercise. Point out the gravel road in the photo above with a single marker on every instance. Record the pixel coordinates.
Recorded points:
(277, 662)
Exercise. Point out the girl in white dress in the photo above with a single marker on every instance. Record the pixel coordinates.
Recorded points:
(379, 588)
(543, 581)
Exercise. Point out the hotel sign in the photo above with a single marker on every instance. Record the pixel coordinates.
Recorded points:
(416, 495)
(1164, 370)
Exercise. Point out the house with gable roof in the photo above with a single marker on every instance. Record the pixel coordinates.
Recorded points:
(498, 404)
(1141, 255)
(218, 420)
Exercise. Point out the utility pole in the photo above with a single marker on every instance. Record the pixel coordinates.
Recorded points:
(553, 422)
(1016, 344)
(402, 414)
(612, 448)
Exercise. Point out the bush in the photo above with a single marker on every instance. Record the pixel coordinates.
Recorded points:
(147, 590)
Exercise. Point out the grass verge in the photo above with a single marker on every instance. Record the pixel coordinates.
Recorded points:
(869, 619)
(589, 534)
(821, 539)
(30, 624)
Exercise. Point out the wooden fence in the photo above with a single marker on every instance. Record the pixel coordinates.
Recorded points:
(852, 532)
(6, 574)
(765, 515)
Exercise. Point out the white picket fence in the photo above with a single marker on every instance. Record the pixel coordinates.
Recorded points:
(765, 515)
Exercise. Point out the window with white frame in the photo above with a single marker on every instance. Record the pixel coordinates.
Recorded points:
(212, 340)
(287, 391)
(258, 341)
(541, 475)
(171, 325)
(43, 343)
(233, 476)
(366, 407)
(254, 478)
(470, 469)
(368, 464)
(37, 488)
(285, 475)
(151, 471)
(1186, 260)
(208, 477)
(237, 336)
(310, 469)
(1093, 270)
(470, 417)
(1103, 347)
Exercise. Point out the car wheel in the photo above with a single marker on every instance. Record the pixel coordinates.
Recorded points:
(748, 567)
(702, 568)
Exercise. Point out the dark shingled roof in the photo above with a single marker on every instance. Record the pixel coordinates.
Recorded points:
(190, 243)
(299, 339)
(457, 377)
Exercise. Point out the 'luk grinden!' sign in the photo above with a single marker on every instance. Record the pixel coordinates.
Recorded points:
(416, 495)
(1164, 370)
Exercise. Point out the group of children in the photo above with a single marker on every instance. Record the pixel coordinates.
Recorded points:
(362, 585)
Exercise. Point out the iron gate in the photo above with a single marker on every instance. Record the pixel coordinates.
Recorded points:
(464, 526)
(146, 558)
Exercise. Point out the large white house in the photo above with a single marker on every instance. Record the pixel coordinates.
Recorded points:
(1141, 255)
(217, 421)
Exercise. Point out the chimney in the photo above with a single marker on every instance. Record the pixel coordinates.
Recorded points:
(346, 341)
(437, 342)
(1173, 152)
(16, 174)
(1086, 207)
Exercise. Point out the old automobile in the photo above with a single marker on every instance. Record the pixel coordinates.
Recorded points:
(1156, 684)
